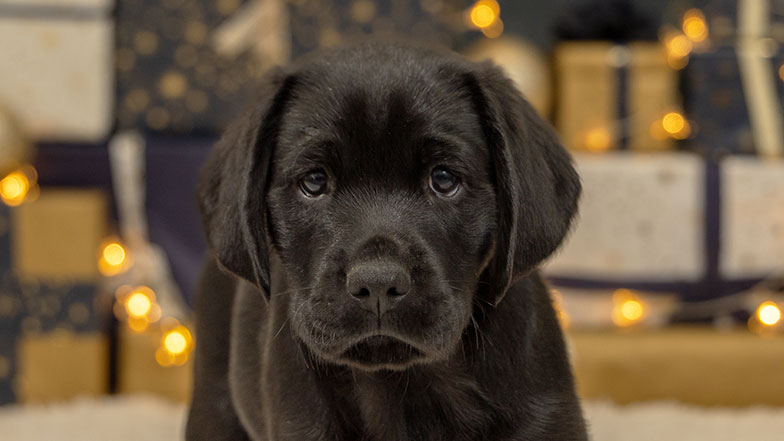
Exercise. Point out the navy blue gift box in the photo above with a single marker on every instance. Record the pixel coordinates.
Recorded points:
(170, 75)
(323, 23)
(715, 100)
(53, 342)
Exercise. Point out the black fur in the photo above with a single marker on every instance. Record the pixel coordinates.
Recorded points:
(287, 352)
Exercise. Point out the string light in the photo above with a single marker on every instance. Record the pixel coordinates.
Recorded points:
(628, 309)
(678, 47)
(114, 258)
(769, 314)
(137, 306)
(675, 125)
(694, 25)
(597, 140)
(19, 185)
(484, 13)
(176, 344)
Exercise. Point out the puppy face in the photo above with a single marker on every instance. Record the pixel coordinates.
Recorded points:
(399, 187)
(382, 211)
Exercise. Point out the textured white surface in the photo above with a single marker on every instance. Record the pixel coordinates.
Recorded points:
(151, 419)
(660, 421)
(753, 217)
(57, 76)
(641, 217)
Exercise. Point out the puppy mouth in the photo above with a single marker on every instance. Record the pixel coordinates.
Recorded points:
(378, 352)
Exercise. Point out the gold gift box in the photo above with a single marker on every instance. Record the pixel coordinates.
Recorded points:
(58, 236)
(589, 95)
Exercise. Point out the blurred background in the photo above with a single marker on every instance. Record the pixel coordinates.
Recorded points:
(670, 288)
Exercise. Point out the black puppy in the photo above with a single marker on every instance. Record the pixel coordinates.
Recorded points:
(370, 214)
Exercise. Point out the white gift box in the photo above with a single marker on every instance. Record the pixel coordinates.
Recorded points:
(752, 233)
(57, 74)
(641, 218)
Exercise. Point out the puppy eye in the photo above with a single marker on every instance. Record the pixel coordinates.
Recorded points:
(444, 182)
(314, 183)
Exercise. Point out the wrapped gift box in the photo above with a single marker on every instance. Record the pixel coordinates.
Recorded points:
(610, 96)
(721, 102)
(60, 82)
(641, 217)
(191, 66)
(52, 318)
(674, 223)
(752, 217)
(139, 373)
(323, 23)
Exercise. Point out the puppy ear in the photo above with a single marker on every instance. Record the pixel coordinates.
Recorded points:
(537, 189)
(234, 181)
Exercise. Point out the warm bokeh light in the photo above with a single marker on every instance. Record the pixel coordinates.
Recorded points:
(494, 30)
(175, 342)
(114, 254)
(673, 122)
(628, 309)
(678, 46)
(138, 304)
(14, 188)
(485, 13)
(176, 345)
(597, 139)
(769, 313)
(675, 125)
(781, 72)
(631, 310)
(113, 259)
(694, 25)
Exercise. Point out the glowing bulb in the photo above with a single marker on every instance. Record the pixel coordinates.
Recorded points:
(14, 188)
(598, 139)
(673, 122)
(114, 254)
(631, 310)
(175, 342)
(176, 346)
(484, 13)
(679, 46)
(628, 309)
(781, 72)
(769, 313)
(138, 304)
(114, 258)
(694, 25)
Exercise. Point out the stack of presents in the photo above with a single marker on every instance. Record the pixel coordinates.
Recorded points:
(677, 135)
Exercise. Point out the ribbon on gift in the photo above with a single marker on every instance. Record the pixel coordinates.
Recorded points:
(261, 26)
(759, 82)
(619, 58)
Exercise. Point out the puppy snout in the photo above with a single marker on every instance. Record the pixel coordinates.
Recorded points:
(378, 285)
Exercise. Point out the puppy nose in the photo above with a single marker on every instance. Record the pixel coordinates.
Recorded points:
(378, 285)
